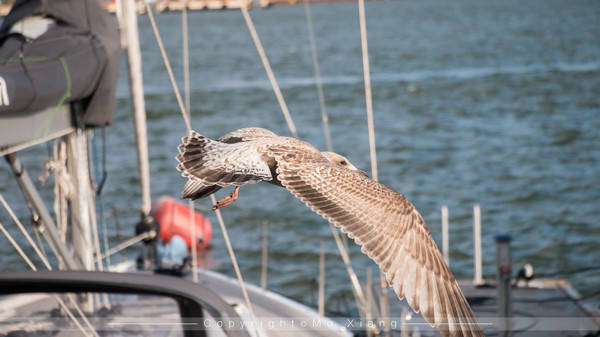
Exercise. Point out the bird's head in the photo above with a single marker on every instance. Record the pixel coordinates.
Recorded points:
(341, 161)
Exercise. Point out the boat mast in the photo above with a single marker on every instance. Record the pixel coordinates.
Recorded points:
(129, 27)
(81, 210)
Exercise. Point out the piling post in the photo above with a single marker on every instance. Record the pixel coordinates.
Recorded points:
(478, 279)
(384, 306)
(503, 262)
(194, 241)
(322, 281)
(265, 255)
(403, 323)
(445, 235)
(369, 304)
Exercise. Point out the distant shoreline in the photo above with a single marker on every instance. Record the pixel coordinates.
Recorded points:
(201, 5)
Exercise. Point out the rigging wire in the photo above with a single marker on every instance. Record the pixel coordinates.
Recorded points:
(319, 83)
(22, 228)
(368, 94)
(186, 90)
(48, 266)
(372, 145)
(128, 243)
(36, 231)
(161, 47)
(189, 130)
(33, 267)
(356, 286)
(270, 74)
(357, 289)
(40, 255)
(186, 59)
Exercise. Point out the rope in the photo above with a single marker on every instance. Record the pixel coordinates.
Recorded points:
(42, 257)
(270, 75)
(189, 129)
(62, 191)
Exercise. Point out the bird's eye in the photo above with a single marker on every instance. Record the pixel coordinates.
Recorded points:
(343, 162)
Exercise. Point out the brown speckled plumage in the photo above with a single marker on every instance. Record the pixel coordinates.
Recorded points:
(382, 221)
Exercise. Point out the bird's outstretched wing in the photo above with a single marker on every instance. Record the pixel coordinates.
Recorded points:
(210, 165)
(390, 231)
(246, 134)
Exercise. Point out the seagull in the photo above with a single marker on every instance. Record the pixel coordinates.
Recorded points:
(382, 221)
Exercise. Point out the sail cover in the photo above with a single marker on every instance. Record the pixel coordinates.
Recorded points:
(59, 52)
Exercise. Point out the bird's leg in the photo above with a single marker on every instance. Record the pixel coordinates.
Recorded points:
(228, 200)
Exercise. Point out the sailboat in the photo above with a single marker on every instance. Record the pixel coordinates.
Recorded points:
(90, 295)
(62, 96)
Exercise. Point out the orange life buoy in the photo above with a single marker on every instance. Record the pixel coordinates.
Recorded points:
(174, 219)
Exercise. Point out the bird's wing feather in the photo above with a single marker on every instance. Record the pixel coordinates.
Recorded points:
(390, 231)
(207, 163)
(246, 134)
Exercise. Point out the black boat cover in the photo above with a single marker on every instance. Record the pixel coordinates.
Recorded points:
(75, 60)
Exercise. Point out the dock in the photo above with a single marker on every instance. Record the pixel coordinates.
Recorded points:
(204, 5)
(545, 307)
(200, 5)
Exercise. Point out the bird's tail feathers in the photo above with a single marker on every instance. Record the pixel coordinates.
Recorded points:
(196, 189)
(211, 164)
(192, 152)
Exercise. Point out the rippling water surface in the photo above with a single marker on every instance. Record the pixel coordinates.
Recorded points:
(490, 103)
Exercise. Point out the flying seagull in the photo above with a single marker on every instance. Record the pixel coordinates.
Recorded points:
(386, 225)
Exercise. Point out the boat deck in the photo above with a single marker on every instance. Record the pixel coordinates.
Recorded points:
(144, 315)
(274, 312)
